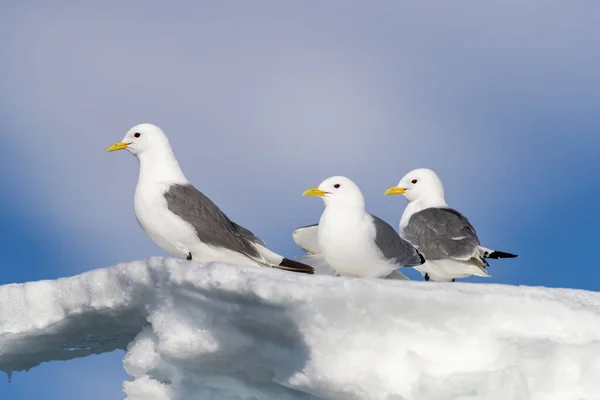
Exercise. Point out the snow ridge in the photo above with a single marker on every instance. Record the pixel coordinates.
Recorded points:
(227, 332)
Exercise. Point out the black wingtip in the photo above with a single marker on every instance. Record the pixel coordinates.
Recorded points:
(295, 266)
(422, 258)
(500, 254)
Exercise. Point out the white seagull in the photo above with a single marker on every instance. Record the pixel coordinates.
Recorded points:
(352, 241)
(443, 235)
(179, 218)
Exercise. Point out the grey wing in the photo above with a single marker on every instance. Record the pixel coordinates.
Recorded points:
(393, 246)
(306, 238)
(441, 233)
(211, 224)
(248, 234)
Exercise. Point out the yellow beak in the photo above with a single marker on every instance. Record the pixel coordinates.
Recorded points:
(394, 190)
(314, 192)
(118, 146)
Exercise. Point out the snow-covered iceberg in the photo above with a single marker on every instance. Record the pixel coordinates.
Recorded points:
(226, 332)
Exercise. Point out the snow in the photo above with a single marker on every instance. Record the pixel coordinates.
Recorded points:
(228, 332)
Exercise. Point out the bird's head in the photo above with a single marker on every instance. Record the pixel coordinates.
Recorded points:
(418, 184)
(141, 139)
(338, 190)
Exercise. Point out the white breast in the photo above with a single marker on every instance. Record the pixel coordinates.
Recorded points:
(346, 239)
(167, 230)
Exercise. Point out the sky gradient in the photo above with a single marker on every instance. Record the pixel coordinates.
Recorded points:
(263, 100)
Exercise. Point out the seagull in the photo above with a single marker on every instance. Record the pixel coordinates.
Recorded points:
(352, 241)
(443, 235)
(180, 219)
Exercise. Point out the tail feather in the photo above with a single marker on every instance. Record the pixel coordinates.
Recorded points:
(500, 254)
(295, 266)
(277, 261)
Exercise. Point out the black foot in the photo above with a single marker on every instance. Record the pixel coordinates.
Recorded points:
(427, 277)
(453, 280)
(189, 257)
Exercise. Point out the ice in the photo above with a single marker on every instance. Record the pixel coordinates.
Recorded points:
(230, 332)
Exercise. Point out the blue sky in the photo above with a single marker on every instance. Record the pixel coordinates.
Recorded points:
(262, 100)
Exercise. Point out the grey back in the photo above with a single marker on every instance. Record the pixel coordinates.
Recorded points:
(211, 224)
(442, 233)
(393, 246)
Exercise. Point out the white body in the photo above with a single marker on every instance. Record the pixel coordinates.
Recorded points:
(343, 234)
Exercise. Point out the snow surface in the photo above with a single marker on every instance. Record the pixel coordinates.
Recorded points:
(226, 332)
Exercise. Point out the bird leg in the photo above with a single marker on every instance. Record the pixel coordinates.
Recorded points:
(426, 276)
(189, 257)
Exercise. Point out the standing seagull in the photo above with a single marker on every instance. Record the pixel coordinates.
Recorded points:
(444, 236)
(353, 242)
(179, 218)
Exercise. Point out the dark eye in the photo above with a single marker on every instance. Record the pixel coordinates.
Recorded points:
(137, 135)
(337, 186)
(413, 181)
